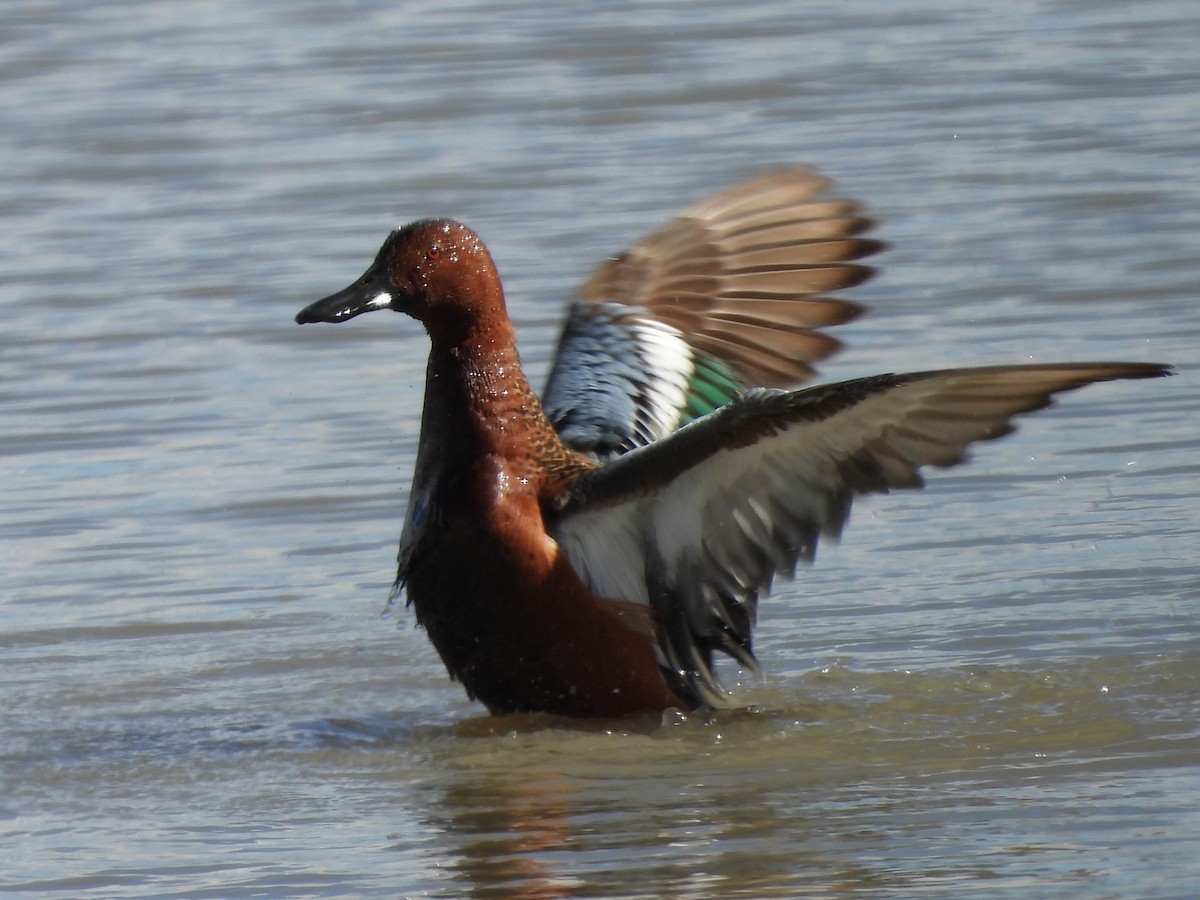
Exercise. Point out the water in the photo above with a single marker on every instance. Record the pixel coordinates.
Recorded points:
(991, 688)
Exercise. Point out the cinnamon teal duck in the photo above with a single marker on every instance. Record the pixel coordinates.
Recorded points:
(587, 553)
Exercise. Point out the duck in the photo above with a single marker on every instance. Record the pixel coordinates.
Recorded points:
(594, 550)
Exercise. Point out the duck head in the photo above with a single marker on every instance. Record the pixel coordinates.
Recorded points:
(438, 271)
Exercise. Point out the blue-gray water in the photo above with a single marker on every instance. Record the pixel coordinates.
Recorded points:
(990, 688)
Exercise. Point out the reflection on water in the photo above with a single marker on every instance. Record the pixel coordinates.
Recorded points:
(823, 796)
(990, 688)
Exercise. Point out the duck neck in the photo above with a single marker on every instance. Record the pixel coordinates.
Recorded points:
(477, 398)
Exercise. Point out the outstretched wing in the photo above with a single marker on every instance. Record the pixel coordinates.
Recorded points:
(726, 296)
(698, 524)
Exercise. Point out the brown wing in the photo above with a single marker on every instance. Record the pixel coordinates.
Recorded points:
(741, 274)
(729, 295)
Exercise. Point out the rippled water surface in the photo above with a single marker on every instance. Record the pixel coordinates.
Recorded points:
(990, 688)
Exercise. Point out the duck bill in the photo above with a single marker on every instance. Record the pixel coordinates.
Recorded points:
(363, 296)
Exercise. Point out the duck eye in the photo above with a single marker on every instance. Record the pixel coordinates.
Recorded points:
(434, 252)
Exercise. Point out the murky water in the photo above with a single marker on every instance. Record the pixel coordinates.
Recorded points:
(991, 688)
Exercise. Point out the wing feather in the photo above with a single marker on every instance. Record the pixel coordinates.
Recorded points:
(751, 260)
(697, 525)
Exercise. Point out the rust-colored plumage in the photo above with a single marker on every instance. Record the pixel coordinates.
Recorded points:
(589, 562)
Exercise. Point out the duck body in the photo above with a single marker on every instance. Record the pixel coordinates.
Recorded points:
(588, 557)
(509, 616)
